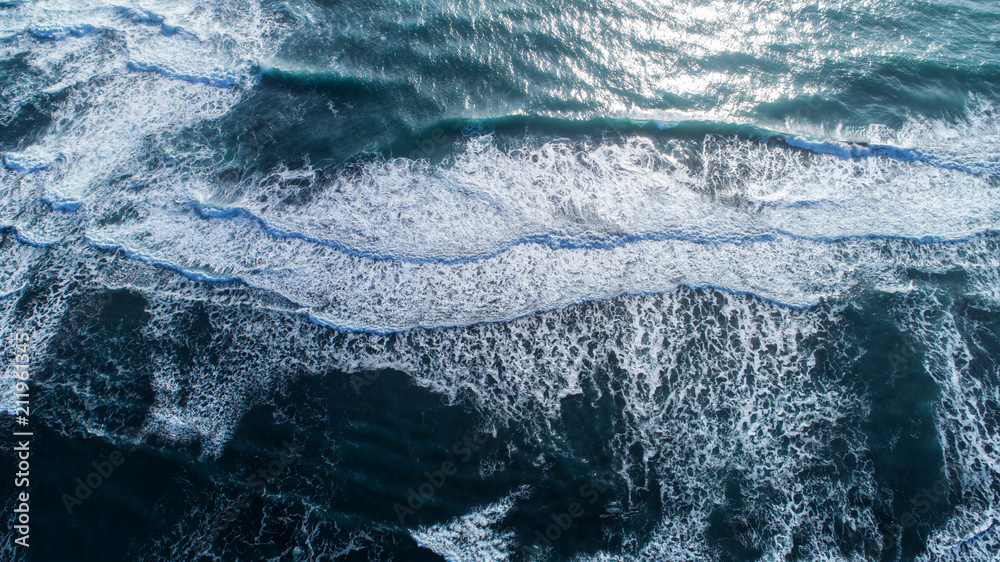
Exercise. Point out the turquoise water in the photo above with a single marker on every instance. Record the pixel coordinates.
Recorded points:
(481, 281)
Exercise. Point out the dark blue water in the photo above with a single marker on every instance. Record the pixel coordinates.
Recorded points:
(486, 281)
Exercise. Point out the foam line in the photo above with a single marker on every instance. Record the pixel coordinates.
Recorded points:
(222, 80)
(28, 241)
(554, 241)
(141, 257)
(677, 356)
(849, 150)
(12, 292)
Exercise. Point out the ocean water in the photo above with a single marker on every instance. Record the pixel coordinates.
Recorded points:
(501, 280)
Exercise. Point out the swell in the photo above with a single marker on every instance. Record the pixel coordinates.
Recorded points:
(435, 140)
(359, 296)
(544, 128)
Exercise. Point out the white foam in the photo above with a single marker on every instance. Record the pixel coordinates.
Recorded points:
(105, 129)
(27, 162)
(972, 142)
(472, 537)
